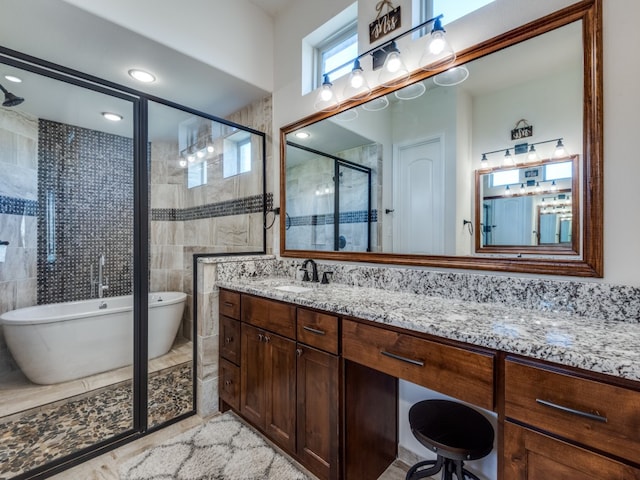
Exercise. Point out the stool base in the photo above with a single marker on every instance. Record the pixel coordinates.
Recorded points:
(448, 467)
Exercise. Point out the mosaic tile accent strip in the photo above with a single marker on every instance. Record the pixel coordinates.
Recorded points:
(356, 216)
(223, 448)
(85, 193)
(240, 206)
(18, 206)
(44, 434)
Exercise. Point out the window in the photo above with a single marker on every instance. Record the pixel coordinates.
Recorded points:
(237, 155)
(338, 50)
(506, 177)
(558, 171)
(451, 10)
(197, 174)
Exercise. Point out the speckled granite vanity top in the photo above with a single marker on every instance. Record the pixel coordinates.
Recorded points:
(610, 347)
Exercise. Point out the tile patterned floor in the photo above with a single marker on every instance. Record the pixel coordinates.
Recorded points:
(42, 434)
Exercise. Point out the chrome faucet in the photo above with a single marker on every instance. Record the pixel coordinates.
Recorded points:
(314, 271)
(101, 281)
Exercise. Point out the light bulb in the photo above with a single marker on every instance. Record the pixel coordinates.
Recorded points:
(484, 161)
(523, 190)
(508, 159)
(532, 156)
(326, 93)
(554, 187)
(357, 87)
(183, 163)
(560, 151)
(538, 188)
(393, 62)
(507, 191)
(191, 158)
(438, 42)
(210, 149)
(200, 153)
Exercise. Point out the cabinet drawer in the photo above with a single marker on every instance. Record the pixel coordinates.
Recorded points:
(229, 386)
(270, 315)
(590, 412)
(318, 330)
(450, 370)
(230, 339)
(230, 304)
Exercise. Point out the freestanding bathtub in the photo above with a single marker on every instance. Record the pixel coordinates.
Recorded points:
(64, 341)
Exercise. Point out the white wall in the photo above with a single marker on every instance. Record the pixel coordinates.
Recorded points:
(621, 101)
(235, 37)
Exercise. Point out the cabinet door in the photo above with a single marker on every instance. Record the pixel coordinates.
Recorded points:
(252, 375)
(530, 455)
(230, 339)
(318, 411)
(280, 376)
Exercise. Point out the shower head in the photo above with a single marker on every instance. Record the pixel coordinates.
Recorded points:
(10, 100)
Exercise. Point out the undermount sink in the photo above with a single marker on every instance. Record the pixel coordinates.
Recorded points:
(293, 288)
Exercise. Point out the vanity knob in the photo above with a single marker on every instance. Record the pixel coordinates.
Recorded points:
(260, 337)
(228, 340)
(299, 352)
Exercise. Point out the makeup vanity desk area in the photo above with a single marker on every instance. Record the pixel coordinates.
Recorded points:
(316, 371)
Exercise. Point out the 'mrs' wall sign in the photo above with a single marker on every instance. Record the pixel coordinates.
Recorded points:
(384, 24)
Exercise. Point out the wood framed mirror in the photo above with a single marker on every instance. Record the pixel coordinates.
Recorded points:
(350, 190)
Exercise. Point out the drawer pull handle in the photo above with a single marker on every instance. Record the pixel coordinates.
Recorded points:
(590, 416)
(229, 304)
(314, 330)
(419, 363)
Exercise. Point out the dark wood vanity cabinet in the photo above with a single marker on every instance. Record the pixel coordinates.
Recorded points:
(561, 424)
(289, 376)
(268, 384)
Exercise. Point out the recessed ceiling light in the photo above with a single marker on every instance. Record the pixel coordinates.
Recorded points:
(13, 78)
(142, 76)
(113, 117)
(302, 135)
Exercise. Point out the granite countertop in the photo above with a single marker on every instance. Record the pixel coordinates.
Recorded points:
(610, 347)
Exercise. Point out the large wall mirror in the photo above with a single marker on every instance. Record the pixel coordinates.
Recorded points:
(427, 173)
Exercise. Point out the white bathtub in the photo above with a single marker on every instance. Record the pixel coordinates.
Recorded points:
(65, 341)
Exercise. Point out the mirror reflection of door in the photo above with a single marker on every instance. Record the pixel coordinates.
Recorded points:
(505, 218)
(419, 206)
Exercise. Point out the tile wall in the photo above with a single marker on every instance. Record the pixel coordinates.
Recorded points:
(85, 198)
(18, 224)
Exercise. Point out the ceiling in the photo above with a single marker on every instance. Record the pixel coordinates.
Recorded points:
(272, 7)
(63, 34)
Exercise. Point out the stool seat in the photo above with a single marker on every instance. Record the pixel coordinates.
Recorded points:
(452, 430)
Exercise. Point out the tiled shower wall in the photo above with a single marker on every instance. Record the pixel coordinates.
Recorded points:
(18, 201)
(85, 198)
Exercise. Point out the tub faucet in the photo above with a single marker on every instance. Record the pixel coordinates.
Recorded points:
(101, 280)
(314, 270)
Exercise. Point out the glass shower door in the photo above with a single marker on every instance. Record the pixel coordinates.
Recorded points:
(66, 304)
(353, 215)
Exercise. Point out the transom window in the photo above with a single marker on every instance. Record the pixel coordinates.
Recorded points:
(337, 51)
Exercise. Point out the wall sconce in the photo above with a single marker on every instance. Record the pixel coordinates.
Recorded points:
(522, 148)
(438, 54)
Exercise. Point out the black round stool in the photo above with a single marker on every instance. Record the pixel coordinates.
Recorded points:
(452, 430)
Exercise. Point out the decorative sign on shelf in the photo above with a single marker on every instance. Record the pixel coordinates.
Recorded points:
(384, 24)
(522, 130)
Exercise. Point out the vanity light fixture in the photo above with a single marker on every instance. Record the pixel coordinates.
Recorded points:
(438, 54)
(529, 149)
(112, 117)
(553, 187)
(142, 76)
(523, 189)
(538, 188)
(507, 191)
(13, 78)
